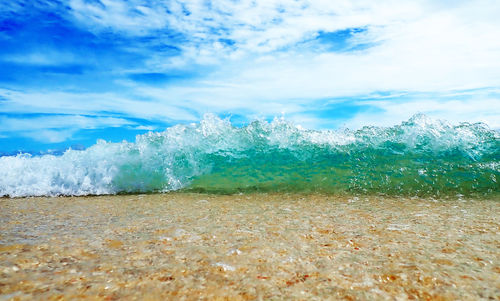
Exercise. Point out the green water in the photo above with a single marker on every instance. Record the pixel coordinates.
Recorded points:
(420, 157)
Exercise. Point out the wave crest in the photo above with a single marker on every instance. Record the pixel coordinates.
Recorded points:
(421, 156)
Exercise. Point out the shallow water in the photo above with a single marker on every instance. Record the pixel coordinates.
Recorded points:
(253, 246)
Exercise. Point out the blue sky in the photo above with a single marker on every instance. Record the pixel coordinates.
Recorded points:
(73, 71)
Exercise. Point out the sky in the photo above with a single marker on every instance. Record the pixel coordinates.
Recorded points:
(74, 71)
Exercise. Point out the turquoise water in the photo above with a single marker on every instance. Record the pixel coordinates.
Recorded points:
(419, 157)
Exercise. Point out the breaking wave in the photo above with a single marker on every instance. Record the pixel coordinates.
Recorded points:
(419, 157)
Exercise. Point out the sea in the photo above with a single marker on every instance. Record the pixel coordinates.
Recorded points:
(420, 157)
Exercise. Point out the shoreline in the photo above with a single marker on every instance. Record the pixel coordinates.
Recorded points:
(327, 195)
(249, 246)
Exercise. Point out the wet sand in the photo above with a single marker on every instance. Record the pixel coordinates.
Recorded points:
(245, 247)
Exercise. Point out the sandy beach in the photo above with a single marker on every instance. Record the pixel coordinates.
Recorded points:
(248, 247)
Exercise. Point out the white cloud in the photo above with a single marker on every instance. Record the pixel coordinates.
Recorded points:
(419, 47)
(254, 26)
(43, 57)
(59, 122)
(54, 129)
(259, 27)
(90, 104)
(485, 110)
(49, 136)
(146, 128)
(274, 65)
(131, 17)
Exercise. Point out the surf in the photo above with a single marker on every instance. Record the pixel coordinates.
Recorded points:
(419, 157)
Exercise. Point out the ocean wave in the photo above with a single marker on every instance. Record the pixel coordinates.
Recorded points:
(419, 157)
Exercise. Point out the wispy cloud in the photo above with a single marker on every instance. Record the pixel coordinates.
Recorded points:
(209, 30)
(484, 110)
(94, 104)
(55, 128)
(27, 122)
